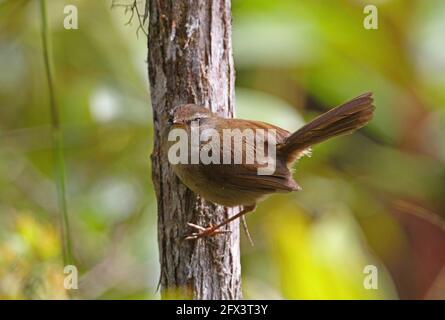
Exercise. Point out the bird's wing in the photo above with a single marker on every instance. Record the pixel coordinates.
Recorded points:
(244, 175)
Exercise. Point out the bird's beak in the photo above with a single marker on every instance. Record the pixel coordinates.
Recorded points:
(176, 122)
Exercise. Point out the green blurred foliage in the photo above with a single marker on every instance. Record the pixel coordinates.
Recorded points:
(294, 59)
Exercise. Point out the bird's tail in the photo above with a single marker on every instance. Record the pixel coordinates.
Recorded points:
(343, 119)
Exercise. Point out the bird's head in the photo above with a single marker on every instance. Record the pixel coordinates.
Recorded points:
(185, 114)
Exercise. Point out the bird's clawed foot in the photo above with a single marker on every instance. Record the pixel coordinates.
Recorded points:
(202, 232)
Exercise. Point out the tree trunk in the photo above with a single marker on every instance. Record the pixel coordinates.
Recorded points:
(190, 61)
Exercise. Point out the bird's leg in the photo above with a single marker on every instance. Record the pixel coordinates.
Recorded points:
(214, 230)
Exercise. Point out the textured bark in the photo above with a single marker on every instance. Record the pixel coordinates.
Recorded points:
(190, 61)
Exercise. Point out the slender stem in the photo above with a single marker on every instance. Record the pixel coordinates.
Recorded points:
(57, 142)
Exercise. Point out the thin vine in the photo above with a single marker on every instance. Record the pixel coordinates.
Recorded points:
(57, 140)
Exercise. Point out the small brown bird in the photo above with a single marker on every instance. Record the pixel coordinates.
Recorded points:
(239, 184)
